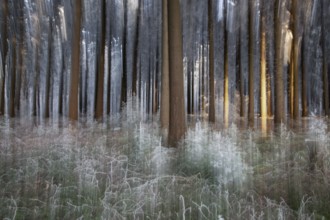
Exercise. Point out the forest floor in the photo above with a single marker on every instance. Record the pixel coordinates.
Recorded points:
(94, 171)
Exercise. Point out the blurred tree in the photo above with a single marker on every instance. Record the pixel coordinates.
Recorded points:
(263, 60)
(211, 63)
(101, 53)
(294, 75)
(325, 58)
(4, 51)
(279, 81)
(165, 96)
(177, 123)
(75, 64)
(251, 64)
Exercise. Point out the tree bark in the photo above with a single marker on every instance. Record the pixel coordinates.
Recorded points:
(100, 76)
(295, 61)
(325, 61)
(4, 55)
(263, 80)
(304, 80)
(251, 66)
(177, 126)
(211, 63)
(75, 64)
(279, 81)
(165, 94)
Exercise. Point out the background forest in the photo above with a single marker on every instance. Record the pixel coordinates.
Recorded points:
(93, 93)
(255, 58)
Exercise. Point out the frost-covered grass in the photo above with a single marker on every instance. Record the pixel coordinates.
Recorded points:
(94, 171)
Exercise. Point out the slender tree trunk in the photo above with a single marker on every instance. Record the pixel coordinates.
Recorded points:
(269, 15)
(211, 63)
(225, 74)
(4, 54)
(20, 66)
(48, 76)
(136, 51)
(263, 80)
(279, 81)
(75, 64)
(177, 126)
(124, 77)
(226, 80)
(243, 34)
(13, 79)
(295, 61)
(325, 61)
(304, 80)
(251, 65)
(165, 96)
(100, 76)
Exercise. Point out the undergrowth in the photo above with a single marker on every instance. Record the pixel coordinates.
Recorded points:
(93, 171)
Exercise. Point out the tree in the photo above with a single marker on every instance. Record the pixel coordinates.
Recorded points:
(251, 66)
(263, 75)
(225, 75)
(100, 76)
(165, 96)
(211, 63)
(279, 81)
(295, 61)
(124, 59)
(75, 64)
(325, 61)
(177, 126)
(3, 55)
(49, 72)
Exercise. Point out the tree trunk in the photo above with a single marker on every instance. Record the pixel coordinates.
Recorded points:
(4, 55)
(75, 64)
(165, 96)
(304, 80)
(263, 80)
(136, 50)
(295, 61)
(13, 80)
(251, 66)
(279, 81)
(211, 63)
(48, 76)
(124, 77)
(325, 62)
(225, 74)
(177, 126)
(100, 76)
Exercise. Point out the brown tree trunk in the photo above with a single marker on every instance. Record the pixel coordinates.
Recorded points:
(75, 64)
(225, 74)
(165, 95)
(211, 63)
(295, 60)
(304, 81)
(100, 76)
(226, 81)
(279, 81)
(177, 126)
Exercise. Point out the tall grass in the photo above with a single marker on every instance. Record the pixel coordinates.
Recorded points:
(92, 171)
